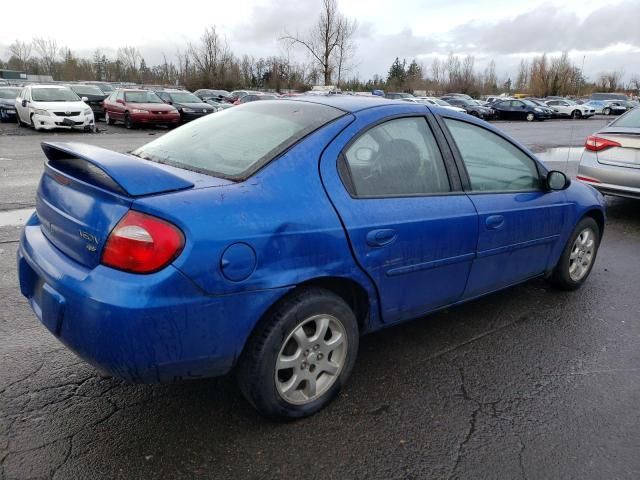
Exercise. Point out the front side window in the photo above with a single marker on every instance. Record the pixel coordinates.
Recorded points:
(236, 142)
(398, 157)
(493, 164)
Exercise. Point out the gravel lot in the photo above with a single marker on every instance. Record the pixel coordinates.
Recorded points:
(528, 383)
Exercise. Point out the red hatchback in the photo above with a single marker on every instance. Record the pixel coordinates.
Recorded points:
(138, 107)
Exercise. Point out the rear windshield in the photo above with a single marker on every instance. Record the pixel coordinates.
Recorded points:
(236, 142)
(629, 120)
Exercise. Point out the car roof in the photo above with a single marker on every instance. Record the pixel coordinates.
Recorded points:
(348, 103)
(48, 86)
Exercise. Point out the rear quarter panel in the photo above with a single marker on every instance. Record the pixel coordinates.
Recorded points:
(282, 213)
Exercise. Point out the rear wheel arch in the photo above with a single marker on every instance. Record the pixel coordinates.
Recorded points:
(354, 294)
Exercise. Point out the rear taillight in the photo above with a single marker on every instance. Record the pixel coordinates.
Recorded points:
(597, 144)
(141, 243)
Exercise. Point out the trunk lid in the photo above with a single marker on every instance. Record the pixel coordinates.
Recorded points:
(86, 190)
(627, 154)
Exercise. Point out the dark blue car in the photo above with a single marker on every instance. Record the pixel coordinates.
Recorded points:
(267, 238)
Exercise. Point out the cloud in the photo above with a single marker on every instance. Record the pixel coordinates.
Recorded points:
(548, 29)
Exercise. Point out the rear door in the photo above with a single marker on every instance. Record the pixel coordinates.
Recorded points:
(518, 110)
(410, 226)
(519, 222)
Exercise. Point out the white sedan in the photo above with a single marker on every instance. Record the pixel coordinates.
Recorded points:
(439, 103)
(569, 108)
(45, 107)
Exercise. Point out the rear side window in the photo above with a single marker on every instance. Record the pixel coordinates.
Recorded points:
(492, 163)
(236, 142)
(395, 158)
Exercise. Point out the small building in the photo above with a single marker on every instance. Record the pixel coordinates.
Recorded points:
(12, 75)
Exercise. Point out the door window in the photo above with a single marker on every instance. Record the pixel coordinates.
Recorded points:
(120, 95)
(493, 164)
(395, 158)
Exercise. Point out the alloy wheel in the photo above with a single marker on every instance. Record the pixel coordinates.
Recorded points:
(311, 359)
(582, 253)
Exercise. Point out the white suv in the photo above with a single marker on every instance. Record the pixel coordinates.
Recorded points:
(569, 108)
(53, 106)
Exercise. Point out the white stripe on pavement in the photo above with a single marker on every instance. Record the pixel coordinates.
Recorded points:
(19, 217)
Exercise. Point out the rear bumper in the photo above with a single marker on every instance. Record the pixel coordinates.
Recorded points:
(143, 328)
(612, 179)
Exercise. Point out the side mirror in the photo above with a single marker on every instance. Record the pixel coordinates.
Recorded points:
(84, 99)
(120, 101)
(24, 103)
(557, 180)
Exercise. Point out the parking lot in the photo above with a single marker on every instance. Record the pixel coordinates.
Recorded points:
(528, 383)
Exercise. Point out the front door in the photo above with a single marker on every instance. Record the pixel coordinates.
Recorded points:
(519, 221)
(410, 227)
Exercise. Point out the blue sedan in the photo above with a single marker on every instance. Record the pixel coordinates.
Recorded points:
(265, 239)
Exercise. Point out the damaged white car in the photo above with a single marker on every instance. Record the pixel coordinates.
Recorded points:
(45, 107)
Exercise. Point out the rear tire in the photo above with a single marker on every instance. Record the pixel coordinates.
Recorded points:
(607, 111)
(295, 333)
(530, 117)
(578, 256)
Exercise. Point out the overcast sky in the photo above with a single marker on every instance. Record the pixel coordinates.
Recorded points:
(504, 30)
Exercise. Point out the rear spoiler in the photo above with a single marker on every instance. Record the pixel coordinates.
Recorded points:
(118, 172)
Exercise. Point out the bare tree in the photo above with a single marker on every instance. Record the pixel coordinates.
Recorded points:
(48, 50)
(329, 40)
(210, 55)
(130, 58)
(22, 52)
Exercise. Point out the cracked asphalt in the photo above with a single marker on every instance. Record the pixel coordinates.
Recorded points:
(529, 383)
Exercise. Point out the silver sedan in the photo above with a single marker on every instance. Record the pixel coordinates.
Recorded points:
(611, 158)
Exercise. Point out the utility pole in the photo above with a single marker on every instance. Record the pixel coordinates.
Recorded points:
(581, 76)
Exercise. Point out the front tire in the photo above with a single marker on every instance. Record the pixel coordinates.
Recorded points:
(33, 124)
(301, 355)
(576, 114)
(108, 119)
(578, 256)
(127, 121)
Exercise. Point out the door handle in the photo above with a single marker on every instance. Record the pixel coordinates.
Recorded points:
(381, 237)
(494, 222)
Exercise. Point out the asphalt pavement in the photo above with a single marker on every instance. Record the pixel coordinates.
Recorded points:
(528, 383)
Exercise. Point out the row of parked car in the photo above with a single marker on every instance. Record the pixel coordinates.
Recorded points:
(530, 109)
(70, 106)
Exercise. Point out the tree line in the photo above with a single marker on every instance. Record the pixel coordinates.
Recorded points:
(330, 49)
